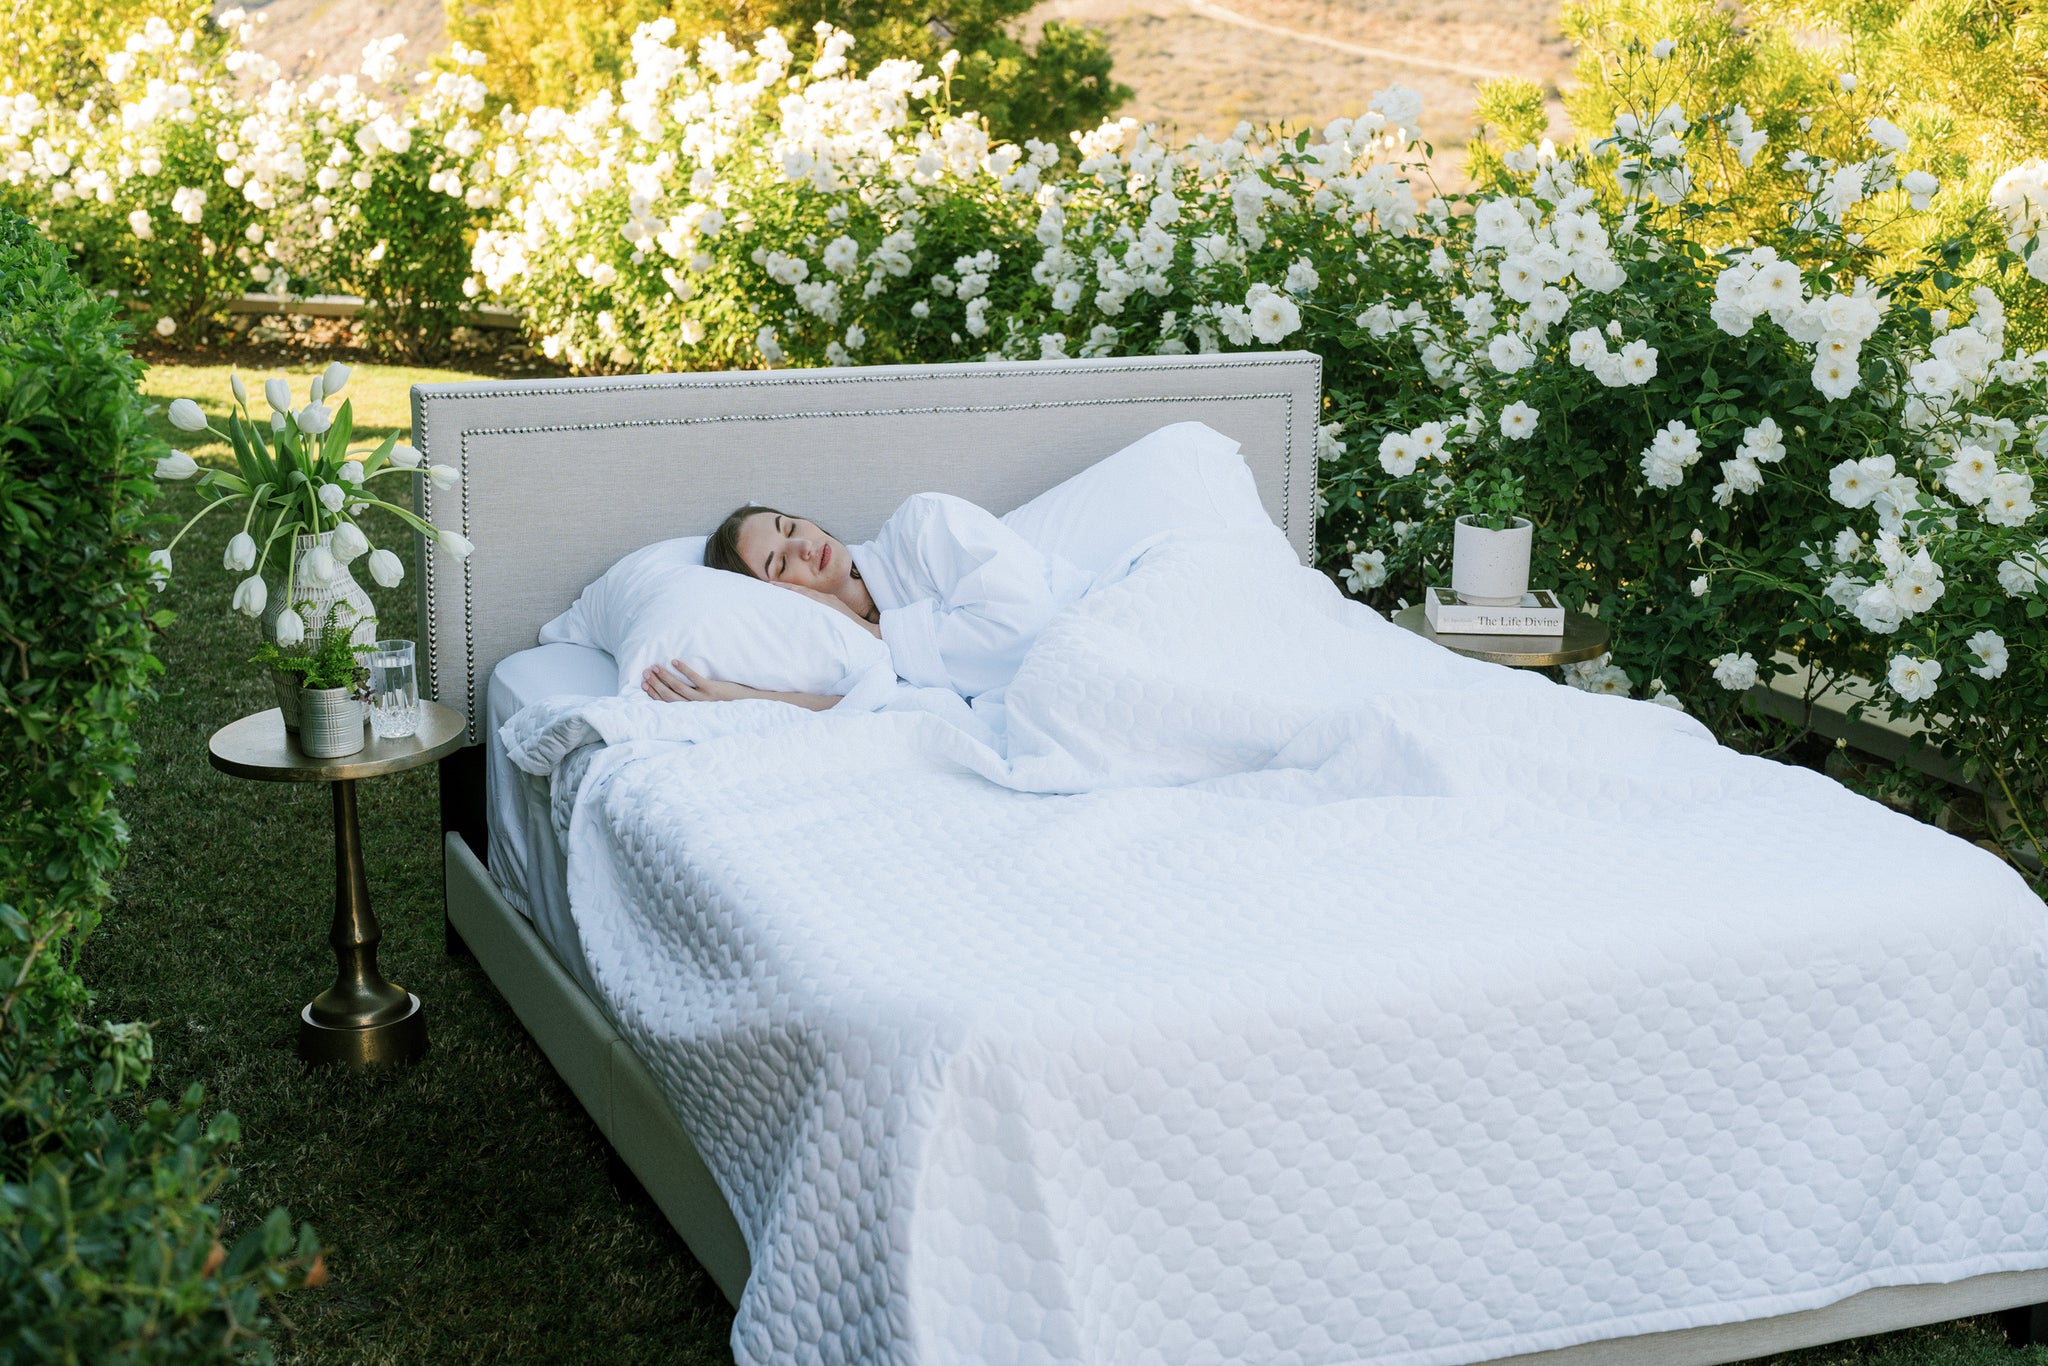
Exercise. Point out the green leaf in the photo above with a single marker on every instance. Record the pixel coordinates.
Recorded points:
(335, 447)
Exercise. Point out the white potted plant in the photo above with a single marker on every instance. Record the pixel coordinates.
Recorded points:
(1490, 545)
(330, 683)
(301, 490)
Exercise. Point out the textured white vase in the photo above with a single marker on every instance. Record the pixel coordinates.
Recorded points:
(330, 723)
(1490, 568)
(342, 588)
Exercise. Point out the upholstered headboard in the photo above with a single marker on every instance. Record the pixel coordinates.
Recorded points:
(562, 477)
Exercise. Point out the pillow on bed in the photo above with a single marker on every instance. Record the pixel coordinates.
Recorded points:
(1186, 477)
(660, 603)
(609, 606)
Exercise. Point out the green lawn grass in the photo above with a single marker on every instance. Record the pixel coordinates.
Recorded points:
(465, 1202)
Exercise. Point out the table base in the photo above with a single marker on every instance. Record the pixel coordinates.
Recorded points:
(399, 1040)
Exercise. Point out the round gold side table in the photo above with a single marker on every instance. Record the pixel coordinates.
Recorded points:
(1584, 638)
(361, 1019)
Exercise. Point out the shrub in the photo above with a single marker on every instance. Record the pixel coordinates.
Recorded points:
(108, 1235)
(56, 44)
(131, 179)
(563, 53)
(1965, 83)
(1878, 442)
(179, 186)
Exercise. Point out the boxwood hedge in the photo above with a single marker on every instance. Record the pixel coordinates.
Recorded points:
(109, 1240)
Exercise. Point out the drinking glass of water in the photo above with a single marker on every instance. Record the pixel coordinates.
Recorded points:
(394, 689)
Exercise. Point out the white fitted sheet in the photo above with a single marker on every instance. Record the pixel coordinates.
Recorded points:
(525, 855)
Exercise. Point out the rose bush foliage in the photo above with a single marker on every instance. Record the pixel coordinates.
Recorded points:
(1785, 451)
(195, 172)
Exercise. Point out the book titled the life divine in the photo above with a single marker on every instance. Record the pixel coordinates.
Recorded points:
(1538, 614)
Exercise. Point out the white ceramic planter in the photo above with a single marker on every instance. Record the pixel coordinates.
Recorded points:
(1490, 568)
(330, 723)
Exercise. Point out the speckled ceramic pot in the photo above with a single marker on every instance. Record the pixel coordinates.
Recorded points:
(1490, 568)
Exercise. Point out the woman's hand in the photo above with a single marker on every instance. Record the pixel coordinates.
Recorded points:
(873, 628)
(676, 681)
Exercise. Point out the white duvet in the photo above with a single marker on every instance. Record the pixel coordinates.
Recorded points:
(1367, 1005)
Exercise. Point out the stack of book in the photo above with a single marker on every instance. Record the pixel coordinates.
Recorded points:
(1539, 613)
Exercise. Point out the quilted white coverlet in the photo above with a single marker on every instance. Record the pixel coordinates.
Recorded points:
(1367, 1005)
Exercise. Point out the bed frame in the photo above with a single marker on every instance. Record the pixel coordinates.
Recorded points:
(624, 462)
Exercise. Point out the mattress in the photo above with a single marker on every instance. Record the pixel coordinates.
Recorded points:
(526, 856)
(1284, 988)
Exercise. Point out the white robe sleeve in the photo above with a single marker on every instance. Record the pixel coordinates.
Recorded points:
(990, 592)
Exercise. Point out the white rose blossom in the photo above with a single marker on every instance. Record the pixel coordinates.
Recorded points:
(1913, 679)
(1368, 570)
(1992, 657)
(1735, 672)
(1518, 421)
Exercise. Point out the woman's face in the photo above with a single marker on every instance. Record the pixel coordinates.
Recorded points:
(784, 549)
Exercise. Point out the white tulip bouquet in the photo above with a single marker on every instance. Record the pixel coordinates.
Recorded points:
(295, 475)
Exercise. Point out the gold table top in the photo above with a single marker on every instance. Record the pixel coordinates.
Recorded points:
(1584, 638)
(258, 747)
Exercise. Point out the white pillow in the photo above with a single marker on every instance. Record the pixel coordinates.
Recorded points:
(660, 603)
(1186, 477)
(606, 608)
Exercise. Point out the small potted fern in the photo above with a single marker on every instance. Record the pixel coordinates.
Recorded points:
(330, 684)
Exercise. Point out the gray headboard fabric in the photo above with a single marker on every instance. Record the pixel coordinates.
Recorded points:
(562, 477)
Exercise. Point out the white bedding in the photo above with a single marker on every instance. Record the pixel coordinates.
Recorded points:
(526, 855)
(1369, 1005)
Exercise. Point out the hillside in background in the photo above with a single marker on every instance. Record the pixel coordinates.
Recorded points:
(1198, 64)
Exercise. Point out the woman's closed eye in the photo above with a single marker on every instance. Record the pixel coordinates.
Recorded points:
(772, 569)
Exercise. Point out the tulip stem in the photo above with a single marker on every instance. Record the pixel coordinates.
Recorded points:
(275, 527)
(194, 522)
(410, 519)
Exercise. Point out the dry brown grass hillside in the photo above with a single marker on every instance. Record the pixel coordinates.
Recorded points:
(1201, 65)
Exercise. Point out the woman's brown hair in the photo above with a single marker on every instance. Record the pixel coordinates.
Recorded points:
(722, 551)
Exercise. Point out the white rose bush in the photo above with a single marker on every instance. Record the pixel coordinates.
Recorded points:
(133, 183)
(725, 210)
(1752, 458)
(199, 173)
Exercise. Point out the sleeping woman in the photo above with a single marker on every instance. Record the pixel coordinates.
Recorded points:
(955, 595)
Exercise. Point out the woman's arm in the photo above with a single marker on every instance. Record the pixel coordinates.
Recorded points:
(678, 682)
(993, 593)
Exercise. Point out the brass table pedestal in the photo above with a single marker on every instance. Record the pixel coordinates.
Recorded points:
(363, 1018)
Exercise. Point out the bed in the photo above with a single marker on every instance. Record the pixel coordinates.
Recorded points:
(1942, 1211)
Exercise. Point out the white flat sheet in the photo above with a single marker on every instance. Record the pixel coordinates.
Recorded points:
(1368, 1004)
(525, 852)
